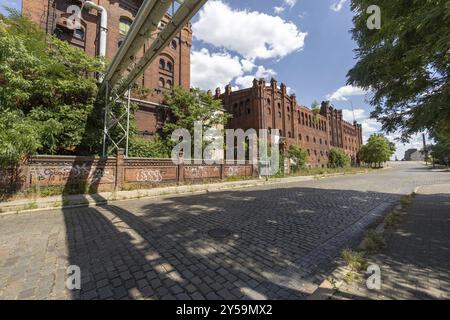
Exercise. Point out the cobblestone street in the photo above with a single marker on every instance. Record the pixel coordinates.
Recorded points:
(269, 242)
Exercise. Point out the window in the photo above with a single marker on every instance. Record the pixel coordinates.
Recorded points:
(170, 66)
(162, 64)
(307, 138)
(268, 102)
(173, 44)
(268, 111)
(279, 114)
(169, 84)
(124, 25)
(161, 83)
(79, 34)
(320, 140)
(300, 137)
(289, 134)
(314, 139)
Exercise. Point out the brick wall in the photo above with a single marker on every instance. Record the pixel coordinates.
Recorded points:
(109, 174)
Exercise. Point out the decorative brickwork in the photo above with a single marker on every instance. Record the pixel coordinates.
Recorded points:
(270, 107)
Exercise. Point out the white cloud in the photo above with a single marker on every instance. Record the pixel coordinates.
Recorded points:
(261, 72)
(247, 65)
(337, 6)
(344, 92)
(212, 70)
(278, 10)
(252, 34)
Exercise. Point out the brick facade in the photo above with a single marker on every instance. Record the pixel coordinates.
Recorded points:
(270, 107)
(171, 68)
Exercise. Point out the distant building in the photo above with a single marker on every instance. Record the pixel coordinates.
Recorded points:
(271, 107)
(413, 155)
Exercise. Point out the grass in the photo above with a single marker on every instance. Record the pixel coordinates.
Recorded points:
(355, 260)
(406, 201)
(373, 242)
(31, 206)
(393, 219)
(323, 171)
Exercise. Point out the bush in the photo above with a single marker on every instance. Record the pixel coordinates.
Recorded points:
(354, 260)
(299, 155)
(338, 158)
(145, 148)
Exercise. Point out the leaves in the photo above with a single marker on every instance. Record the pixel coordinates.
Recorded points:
(377, 150)
(338, 159)
(406, 64)
(49, 83)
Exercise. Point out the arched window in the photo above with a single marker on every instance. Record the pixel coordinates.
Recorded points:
(268, 111)
(162, 64)
(169, 66)
(268, 102)
(300, 136)
(169, 84)
(161, 82)
(279, 114)
(173, 44)
(124, 25)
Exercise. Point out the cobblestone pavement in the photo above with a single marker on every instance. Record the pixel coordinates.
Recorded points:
(281, 243)
(416, 261)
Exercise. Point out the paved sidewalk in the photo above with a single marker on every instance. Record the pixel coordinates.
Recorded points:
(416, 262)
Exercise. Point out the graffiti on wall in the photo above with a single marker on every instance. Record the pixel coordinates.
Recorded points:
(201, 172)
(150, 175)
(71, 174)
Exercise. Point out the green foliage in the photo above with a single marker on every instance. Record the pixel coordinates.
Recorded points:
(355, 260)
(373, 242)
(338, 158)
(17, 137)
(188, 107)
(299, 155)
(46, 82)
(377, 150)
(406, 64)
(144, 148)
(392, 219)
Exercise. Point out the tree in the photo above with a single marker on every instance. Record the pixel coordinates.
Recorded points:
(299, 155)
(405, 64)
(338, 158)
(188, 107)
(46, 82)
(377, 150)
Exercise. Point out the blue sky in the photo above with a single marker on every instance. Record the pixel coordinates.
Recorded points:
(304, 43)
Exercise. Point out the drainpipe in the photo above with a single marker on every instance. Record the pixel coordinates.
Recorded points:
(103, 26)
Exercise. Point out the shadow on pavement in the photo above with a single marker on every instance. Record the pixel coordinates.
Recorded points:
(164, 249)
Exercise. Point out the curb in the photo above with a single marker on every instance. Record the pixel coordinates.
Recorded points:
(326, 290)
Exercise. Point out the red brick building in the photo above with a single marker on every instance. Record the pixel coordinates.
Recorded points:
(171, 68)
(270, 107)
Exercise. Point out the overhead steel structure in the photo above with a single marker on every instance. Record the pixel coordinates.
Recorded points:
(125, 68)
